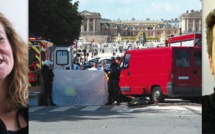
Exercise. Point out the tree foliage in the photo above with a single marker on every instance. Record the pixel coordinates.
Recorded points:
(55, 20)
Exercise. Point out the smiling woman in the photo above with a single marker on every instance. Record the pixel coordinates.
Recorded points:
(13, 80)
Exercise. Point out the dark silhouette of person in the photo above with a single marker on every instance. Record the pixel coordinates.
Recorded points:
(113, 83)
(48, 76)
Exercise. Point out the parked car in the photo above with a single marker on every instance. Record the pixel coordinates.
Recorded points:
(107, 59)
(92, 60)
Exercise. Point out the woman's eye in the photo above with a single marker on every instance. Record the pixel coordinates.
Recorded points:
(1, 38)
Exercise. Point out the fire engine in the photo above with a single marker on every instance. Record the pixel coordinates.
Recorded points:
(189, 40)
(39, 49)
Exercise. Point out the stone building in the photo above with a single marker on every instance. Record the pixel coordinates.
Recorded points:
(91, 23)
(191, 22)
(94, 28)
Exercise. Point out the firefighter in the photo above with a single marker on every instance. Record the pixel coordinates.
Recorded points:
(33, 74)
(48, 76)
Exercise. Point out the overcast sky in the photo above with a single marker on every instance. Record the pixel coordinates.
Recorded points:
(17, 13)
(139, 9)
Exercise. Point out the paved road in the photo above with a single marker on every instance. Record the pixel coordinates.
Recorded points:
(145, 119)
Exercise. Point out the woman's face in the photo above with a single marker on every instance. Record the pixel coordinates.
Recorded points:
(6, 55)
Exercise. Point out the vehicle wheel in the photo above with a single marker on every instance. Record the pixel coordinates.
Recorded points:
(157, 95)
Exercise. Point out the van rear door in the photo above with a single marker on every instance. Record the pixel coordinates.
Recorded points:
(124, 83)
(182, 71)
(197, 70)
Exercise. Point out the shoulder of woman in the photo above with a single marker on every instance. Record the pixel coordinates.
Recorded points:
(3, 129)
(24, 113)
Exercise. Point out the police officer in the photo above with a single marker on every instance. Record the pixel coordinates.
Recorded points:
(113, 83)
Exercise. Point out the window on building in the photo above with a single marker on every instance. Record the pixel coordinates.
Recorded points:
(168, 32)
(158, 32)
(85, 20)
(91, 28)
(122, 33)
(197, 28)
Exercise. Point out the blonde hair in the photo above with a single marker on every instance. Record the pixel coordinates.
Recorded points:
(17, 80)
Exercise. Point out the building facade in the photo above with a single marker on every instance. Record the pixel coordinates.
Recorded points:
(95, 28)
(91, 23)
(191, 22)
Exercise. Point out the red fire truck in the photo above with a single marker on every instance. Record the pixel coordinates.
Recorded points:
(38, 48)
(161, 72)
(189, 40)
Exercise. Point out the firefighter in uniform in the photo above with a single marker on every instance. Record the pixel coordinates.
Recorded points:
(113, 83)
(33, 74)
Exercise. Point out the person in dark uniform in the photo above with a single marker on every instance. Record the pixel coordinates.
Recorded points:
(113, 83)
(48, 76)
(208, 101)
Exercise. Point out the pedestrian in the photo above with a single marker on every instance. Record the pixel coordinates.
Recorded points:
(13, 80)
(48, 76)
(33, 72)
(114, 54)
(82, 67)
(113, 84)
(208, 101)
(103, 68)
(76, 66)
(95, 66)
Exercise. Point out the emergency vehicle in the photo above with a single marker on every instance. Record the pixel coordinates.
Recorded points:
(61, 56)
(189, 40)
(39, 49)
(161, 72)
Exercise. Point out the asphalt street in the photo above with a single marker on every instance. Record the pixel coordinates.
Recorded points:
(167, 118)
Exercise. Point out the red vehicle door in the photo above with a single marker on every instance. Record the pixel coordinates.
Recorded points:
(197, 70)
(124, 83)
(186, 77)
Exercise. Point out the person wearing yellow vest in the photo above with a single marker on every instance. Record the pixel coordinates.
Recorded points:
(33, 73)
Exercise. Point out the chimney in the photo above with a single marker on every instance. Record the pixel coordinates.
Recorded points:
(187, 11)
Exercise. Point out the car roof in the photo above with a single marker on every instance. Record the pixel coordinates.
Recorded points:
(105, 58)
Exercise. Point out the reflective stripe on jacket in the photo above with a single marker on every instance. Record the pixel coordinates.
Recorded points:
(32, 77)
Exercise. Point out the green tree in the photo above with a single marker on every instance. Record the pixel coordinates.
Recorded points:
(55, 20)
(144, 38)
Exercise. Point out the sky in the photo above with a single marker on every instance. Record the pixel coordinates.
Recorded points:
(16, 11)
(139, 9)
